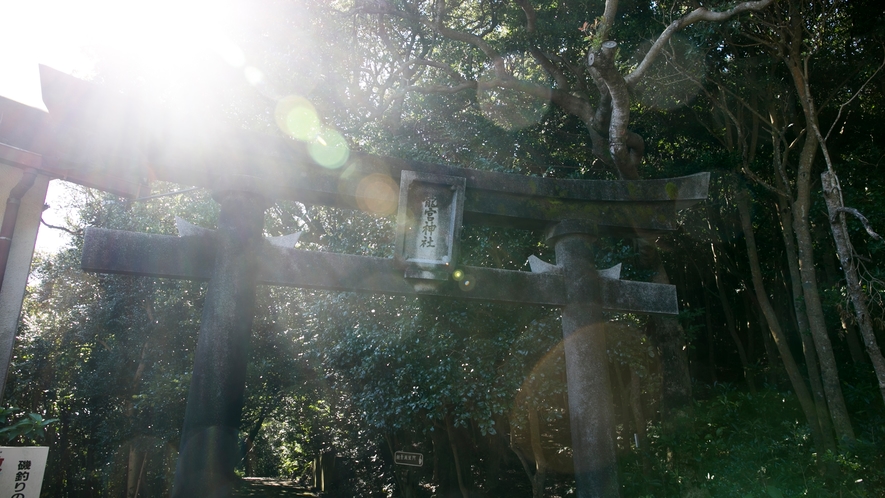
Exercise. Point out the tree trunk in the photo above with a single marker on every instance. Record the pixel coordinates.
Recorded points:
(833, 197)
(813, 307)
(711, 350)
(136, 457)
(780, 340)
(730, 322)
(250, 443)
(669, 337)
(404, 480)
(774, 366)
(805, 246)
(459, 471)
(535, 466)
(808, 348)
(135, 468)
(854, 347)
(538, 480)
(639, 418)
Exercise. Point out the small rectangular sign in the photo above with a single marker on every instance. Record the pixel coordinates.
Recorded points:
(21, 470)
(406, 458)
(429, 223)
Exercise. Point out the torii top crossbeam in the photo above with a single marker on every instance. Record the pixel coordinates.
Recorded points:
(92, 130)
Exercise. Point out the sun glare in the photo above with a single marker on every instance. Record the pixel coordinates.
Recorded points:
(162, 35)
(157, 36)
(175, 47)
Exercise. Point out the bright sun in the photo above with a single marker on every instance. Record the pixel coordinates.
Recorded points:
(163, 33)
(159, 36)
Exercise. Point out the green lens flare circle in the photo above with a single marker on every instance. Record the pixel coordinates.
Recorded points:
(329, 149)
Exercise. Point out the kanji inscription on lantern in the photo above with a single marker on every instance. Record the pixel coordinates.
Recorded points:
(429, 224)
(427, 246)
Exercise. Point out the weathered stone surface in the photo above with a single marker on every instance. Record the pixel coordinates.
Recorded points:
(209, 448)
(637, 297)
(538, 265)
(428, 230)
(113, 251)
(591, 411)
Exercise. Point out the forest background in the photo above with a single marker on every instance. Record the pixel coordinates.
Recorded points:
(769, 383)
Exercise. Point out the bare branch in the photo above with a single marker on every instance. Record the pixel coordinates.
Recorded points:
(759, 181)
(697, 15)
(444, 89)
(436, 24)
(531, 17)
(863, 219)
(72, 232)
(439, 65)
(858, 92)
(579, 71)
(722, 88)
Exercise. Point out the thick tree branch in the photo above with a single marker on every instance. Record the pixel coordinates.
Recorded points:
(476, 41)
(437, 25)
(578, 71)
(697, 15)
(550, 67)
(622, 146)
(531, 16)
(611, 10)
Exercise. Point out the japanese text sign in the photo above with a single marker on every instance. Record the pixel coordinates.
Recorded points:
(429, 221)
(21, 471)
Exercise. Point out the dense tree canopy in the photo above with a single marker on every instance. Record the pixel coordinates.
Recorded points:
(770, 382)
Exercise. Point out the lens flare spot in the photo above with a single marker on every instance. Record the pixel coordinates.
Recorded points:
(377, 194)
(297, 117)
(458, 275)
(329, 149)
(467, 283)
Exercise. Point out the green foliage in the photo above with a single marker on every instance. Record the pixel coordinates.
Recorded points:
(24, 427)
(739, 444)
(590, 33)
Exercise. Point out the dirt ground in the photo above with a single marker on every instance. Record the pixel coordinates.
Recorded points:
(257, 487)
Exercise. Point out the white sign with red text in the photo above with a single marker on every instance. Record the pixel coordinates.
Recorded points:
(21, 470)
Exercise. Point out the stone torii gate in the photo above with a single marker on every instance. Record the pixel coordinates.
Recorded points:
(248, 172)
